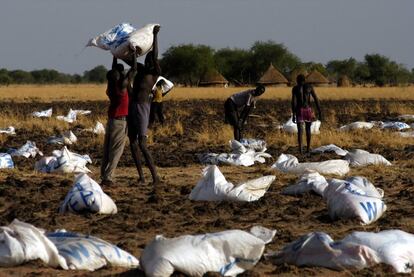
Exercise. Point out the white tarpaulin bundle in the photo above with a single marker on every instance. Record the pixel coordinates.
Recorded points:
(8, 131)
(166, 85)
(29, 149)
(356, 251)
(318, 249)
(397, 125)
(214, 187)
(85, 252)
(229, 253)
(63, 161)
(357, 125)
(308, 182)
(122, 38)
(240, 155)
(67, 137)
(46, 113)
(87, 195)
(354, 197)
(292, 128)
(6, 161)
(330, 148)
(21, 242)
(289, 164)
(360, 157)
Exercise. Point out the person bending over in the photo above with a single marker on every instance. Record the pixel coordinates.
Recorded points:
(238, 106)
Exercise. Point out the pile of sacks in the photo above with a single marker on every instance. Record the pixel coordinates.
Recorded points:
(22, 243)
(354, 197)
(356, 251)
(245, 153)
(214, 187)
(390, 125)
(28, 150)
(63, 161)
(356, 157)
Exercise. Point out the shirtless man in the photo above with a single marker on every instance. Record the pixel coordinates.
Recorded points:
(238, 106)
(301, 109)
(139, 111)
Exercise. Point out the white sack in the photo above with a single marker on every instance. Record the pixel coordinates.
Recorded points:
(359, 157)
(292, 128)
(214, 187)
(21, 242)
(330, 148)
(82, 112)
(8, 131)
(85, 252)
(318, 249)
(98, 129)
(308, 182)
(166, 86)
(356, 198)
(29, 149)
(122, 38)
(289, 164)
(67, 138)
(6, 161)
(393, 247)
(357, 125)
(69, 118)
(257, 145)
(406, 117)
(46, 113)
(63, 161)
(398, 126)
(228, 253)
(87, 195)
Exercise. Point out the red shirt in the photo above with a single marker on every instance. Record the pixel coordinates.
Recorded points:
(118, 103)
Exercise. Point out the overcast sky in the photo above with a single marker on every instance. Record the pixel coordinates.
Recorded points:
(39, 34)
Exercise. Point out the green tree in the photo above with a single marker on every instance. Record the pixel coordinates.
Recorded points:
(264, 53)
(342, 67)
(234, 64)
(187, 63)
(21, 77)
(96, 74)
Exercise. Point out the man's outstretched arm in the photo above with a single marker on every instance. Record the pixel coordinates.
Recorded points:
(155, 50)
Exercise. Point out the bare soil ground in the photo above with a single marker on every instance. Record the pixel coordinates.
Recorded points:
(35, 198)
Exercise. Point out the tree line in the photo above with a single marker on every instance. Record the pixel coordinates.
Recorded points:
(187, 63)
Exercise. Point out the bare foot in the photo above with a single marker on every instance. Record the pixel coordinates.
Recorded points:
(141, 181)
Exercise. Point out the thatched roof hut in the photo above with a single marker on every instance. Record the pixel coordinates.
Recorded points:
(213, 78)
(344, 81)
(273, 77)
(317, 79)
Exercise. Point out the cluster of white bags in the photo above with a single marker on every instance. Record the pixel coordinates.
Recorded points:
(214, 187)
(28, 150)
(242, 154)
(228, 253)
(356, 251)
(292, 128)
(6, 161)
(122, 38)
(87, 195)
(21, 242)
(63, 161)
(290, 164)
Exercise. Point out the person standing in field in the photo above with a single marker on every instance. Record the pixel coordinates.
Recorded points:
(302, 111)
(157, 103)
(238, 106)
(139, 111)
(116, 128)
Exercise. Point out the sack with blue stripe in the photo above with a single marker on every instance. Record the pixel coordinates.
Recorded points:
(123, 38)
(6, 161)
(356, 198)
(228, 253)
(87, 196)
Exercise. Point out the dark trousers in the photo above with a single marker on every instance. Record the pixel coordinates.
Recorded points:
(156, 111)
(231, 116)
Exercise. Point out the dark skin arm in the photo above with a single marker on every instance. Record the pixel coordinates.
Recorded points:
(294, 105)
(244, 114)
(114, 62)
(155, 50)
(315, 98)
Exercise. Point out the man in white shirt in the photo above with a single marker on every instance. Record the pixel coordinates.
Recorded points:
(238, 106)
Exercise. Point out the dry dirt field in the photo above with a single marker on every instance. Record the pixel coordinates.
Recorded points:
(196, 126)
